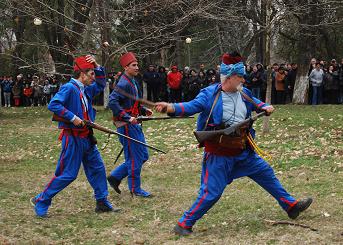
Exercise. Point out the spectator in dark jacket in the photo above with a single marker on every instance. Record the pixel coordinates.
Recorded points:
(290, 81)
(256, 82)
(340, 100)
(186, 78)
(209, 74)
(275, 68)
(202, 79)
(162, 81)
(150, 77)
(194, 85)
(331, 86)
(248, 71)
(263, 76)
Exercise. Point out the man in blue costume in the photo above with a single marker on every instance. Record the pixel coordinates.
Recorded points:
(73, 103)
(125, 111)
(225, 157)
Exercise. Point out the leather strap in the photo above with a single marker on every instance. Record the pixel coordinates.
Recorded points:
(214, 103)
(249, 99)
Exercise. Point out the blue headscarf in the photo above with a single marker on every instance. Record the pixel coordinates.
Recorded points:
(232, 69)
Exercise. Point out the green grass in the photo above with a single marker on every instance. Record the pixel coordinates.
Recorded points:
(305, 143)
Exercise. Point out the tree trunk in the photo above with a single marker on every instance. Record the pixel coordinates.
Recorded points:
(178, 53)
(105, 32)
(300, 95)
(267, 33)
(220, 42)
(19, 28)
(163, 54)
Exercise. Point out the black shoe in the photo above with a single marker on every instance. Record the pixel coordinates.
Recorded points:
(105, 206)
(182, 231)
(301, 206)
(114, 183)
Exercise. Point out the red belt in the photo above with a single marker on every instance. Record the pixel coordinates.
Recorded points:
(83, 133)
(216, 149)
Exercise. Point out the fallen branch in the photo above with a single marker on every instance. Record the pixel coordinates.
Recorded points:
(272, 222)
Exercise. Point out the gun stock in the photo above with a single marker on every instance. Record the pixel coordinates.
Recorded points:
(106, 130)
(201, 136)
(56, 118)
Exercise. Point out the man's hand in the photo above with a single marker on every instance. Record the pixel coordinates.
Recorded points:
(78, 122)
(133, 120)
(91, 59)
(269, 110)
(164, 107)
(149, 112)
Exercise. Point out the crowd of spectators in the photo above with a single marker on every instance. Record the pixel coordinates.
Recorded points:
(175, 85)
(326, 82)
(29, 90)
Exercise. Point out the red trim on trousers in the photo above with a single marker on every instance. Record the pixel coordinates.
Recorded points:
(290, 204)
(200, 202)
(132, 161)
(182, 109)
(61, 170)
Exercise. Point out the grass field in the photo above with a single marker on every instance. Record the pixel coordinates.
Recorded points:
(306, 144)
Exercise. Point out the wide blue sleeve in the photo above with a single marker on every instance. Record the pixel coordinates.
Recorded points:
(259, 103)
(99, 84)
(57, 103)
(192, 107)
(115, 106)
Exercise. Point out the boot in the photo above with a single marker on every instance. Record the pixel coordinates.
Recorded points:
(301, 206)
(114, 183)
(104, 205)
(182, 231)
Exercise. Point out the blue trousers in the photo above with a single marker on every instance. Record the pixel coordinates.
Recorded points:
(317, 95)
(74, 151)
(220, 171)
(135, 156)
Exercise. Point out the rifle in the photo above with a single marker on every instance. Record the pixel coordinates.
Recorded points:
(106, 130)
(145, 118)
(201, 136)
(130, 96)
(148, 103)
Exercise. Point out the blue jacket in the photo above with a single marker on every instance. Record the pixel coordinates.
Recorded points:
(120, 105)
(7, 86)
(203, 103)
(67, 102)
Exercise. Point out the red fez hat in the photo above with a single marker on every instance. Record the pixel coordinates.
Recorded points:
(230, 59)
(174, 67)
(127, 58)
(80, 63)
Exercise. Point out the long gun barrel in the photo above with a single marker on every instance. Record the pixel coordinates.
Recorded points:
(201, 136)
(106, 130)
(145, 118)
